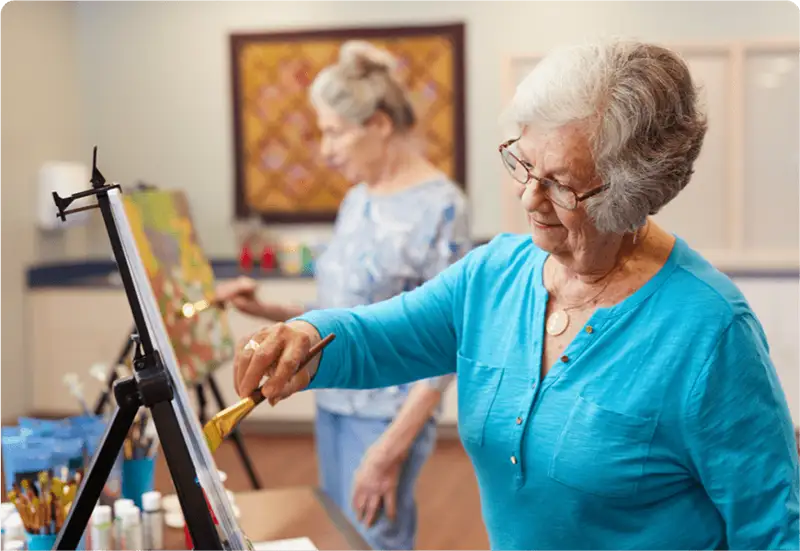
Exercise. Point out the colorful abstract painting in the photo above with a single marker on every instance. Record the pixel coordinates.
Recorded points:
(280, 176)
(179, 273)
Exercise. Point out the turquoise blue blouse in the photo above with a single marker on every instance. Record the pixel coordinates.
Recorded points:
(663, 426)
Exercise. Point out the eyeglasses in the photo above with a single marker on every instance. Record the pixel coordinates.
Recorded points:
(563, 196)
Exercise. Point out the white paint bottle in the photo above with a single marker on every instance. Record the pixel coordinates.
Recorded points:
(153, 521)
(132, 539)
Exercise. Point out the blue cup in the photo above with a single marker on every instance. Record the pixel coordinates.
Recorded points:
(38, 542)
(137, 478)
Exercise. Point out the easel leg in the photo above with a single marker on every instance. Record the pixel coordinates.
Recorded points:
(237, 437)
(97, 475)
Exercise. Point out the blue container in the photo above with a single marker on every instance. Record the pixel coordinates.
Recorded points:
(137, 478)
(68, 454)
(38, 542)
(24, 458)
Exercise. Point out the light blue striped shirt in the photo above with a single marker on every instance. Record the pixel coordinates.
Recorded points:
(382, 246)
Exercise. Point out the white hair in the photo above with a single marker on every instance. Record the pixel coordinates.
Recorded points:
(642, 114)
(360, 84)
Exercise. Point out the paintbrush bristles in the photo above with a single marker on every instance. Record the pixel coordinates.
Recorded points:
(43, 508)
(224, 422)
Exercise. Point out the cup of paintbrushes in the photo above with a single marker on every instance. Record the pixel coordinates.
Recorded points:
(138, 468)
(226, 421)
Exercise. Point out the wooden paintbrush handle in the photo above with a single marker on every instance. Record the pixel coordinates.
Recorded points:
(258, 395)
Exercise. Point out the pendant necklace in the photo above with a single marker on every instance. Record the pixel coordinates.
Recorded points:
(558, 321)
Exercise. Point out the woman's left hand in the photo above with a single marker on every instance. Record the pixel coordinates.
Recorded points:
(375, 486)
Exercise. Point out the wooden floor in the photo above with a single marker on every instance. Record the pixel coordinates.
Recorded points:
(447, 494)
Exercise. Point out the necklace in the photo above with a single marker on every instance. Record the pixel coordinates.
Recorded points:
(558, 321)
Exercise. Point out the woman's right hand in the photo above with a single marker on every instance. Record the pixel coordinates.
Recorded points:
(240, 287)
(275, 352)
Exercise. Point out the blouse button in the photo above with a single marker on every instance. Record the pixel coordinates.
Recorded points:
(589, 329)
(513, 460)
(564, 359)
(519, 420)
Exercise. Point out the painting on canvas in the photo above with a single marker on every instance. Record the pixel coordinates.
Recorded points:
(179, 273)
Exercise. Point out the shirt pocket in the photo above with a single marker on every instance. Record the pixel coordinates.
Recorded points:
(602, 452)
(478, 384)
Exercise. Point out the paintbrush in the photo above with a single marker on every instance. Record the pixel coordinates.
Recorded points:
(191, 309)
(224, 422)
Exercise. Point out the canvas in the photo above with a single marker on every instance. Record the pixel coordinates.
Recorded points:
(179, 272)
(280, 176)
(135, 246)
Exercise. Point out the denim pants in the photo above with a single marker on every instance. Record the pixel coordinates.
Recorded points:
(341, 442)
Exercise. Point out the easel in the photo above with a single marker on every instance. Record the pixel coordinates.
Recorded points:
(236, 435)
(150, 387)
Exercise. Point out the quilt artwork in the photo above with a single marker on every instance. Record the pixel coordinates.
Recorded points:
(279, 174)
(179, 272)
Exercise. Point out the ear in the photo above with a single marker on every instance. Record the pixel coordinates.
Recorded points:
(381, 123)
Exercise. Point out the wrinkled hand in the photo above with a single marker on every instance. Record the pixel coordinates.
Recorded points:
(280, 350)
(239, 287)
(375, 487)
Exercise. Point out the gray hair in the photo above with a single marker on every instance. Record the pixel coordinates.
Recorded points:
(361, 83)
(646, 127)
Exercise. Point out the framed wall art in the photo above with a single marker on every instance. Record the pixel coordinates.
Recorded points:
(280, 177)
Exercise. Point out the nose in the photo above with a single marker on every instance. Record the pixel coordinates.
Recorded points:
(326, 149)
(533, 197)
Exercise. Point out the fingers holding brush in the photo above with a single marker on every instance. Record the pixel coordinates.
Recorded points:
(298, 382)
(279, 352)
(255, 360)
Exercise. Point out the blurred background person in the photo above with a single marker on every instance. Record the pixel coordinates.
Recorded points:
(401, 224)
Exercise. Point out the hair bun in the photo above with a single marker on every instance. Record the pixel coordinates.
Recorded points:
(361, 59)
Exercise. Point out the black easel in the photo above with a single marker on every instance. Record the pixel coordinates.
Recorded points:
(236, 435)
(150, 387)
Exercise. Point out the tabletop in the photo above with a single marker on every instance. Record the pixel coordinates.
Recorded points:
(286, 513)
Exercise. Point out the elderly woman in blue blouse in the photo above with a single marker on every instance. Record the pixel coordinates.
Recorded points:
(399, 226)
(615, 390)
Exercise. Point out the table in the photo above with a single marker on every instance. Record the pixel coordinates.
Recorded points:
(284, 513)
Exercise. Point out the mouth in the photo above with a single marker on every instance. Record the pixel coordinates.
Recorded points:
(543, 225)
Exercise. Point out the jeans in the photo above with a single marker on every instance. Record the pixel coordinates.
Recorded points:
(341, 442)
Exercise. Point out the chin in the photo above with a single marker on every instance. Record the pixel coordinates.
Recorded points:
(548, 240)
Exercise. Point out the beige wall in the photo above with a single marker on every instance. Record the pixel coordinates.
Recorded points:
(160, 76)
(41, 121)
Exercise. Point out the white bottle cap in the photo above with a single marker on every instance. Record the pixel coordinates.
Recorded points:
(151, 501)
(130, 516)
(7, 509)
(122, 504)
(101, 515)
(13, 527)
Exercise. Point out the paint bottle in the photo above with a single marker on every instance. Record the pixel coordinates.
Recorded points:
(6, 510)
(132, 539)
(13, 530)
(152, 520)
(102, 528)
(119, 506)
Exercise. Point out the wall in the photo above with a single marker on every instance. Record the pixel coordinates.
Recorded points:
(157, 76)
(41, 122)
(149, 83)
